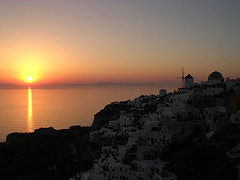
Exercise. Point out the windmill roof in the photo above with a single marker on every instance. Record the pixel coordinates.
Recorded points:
(188, 77)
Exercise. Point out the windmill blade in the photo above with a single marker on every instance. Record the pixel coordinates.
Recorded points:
(182, 77)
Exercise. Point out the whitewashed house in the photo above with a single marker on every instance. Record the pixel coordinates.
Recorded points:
(108, 132)
(213, 115)
(176, 100)
(175, 113)
(160, 136)
(213, 90)
(149, 117)
(121, 171)
(110, 163)
(125, 120)
(148, 127)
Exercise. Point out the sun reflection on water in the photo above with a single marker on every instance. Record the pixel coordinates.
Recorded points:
(30, 118)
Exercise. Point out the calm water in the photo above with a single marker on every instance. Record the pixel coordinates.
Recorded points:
(23, 110)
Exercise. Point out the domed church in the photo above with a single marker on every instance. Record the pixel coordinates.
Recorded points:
(215, 78)
(215, 84)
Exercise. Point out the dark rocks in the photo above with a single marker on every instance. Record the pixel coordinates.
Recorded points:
(44, 154)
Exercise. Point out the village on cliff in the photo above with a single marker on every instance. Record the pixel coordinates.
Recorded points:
(133, 140)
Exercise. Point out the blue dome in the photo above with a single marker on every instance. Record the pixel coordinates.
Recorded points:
(215, 76)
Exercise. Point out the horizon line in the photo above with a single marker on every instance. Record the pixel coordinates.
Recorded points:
(16, 86)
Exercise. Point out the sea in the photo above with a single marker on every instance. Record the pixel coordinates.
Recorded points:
(24, 110)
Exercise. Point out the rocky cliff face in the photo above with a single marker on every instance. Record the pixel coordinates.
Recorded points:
(110, 112)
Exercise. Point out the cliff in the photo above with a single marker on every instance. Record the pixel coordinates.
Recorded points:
(110, 112)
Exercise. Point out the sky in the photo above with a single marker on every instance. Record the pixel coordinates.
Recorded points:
(127, 41)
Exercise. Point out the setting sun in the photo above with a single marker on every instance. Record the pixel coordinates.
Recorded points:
(29, 79)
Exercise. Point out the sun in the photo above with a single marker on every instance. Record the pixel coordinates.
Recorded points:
(29, 79)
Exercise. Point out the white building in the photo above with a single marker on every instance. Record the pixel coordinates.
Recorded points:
(149, 117)
(214, 85)
(121, 171)
(174, 113)
(108, 131)
(125, 120)
(213, 115)
(189, 81)
(178, 99)
(212, 91)
(110, 163)
(138, 170)
(161, 136)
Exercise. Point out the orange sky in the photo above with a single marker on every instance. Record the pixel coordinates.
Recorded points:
(64, 42)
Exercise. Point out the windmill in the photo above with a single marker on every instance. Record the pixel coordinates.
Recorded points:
(182, 77)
